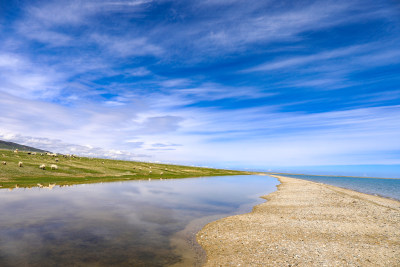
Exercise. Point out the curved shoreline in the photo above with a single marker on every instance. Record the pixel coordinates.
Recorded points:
(306, 223)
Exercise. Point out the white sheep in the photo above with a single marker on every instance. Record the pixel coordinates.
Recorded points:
(51, 186)
(4, 163)
(43, 166)
(20, 164)
(54, 167)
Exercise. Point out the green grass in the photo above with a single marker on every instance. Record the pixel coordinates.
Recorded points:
(82, 170)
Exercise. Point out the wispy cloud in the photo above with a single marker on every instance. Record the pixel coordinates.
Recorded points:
(357, 55)
(269, 82)
(127, 46)
(164, 145)
(213, 91)
(22, 77)
(59, 146)
(313, 58)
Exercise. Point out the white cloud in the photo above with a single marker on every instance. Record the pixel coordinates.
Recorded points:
(357, 55)
(175, 83)
(129, 3)
(68, 91)
(127, 46)
(302, 60)
(212, 91)
(23, 78)
(159, 125)
(331, 69)
(262, 136)
(58, 146)
(141, 71)
(242, 24)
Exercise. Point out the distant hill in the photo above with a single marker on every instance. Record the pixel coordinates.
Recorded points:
(13, 146)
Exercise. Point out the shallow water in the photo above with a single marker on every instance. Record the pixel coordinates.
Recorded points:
(383, 187)
(116, 224)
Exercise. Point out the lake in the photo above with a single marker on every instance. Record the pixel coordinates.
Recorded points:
(389, 188)
(133, 223)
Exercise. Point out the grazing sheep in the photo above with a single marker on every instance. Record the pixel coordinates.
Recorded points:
(102, 162)
(51, 186)
(20, 164)
(4, 163)
(29, 153)
(54, 167)
(16, 151)
(150, 171)
(161, 173)
(56, 159)
(34, 153)
(43, 167)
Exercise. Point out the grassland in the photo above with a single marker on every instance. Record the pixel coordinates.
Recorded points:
(81, 170)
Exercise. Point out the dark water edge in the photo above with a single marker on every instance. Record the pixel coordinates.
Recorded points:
(118, 224)
(388, 188)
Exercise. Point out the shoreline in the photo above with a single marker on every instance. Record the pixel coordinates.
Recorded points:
(23, 170)
(341, 176)
(306, 223)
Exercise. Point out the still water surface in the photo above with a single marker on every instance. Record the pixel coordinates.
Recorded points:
(116, 224)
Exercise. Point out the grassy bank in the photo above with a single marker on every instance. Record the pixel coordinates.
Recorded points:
(80, 170)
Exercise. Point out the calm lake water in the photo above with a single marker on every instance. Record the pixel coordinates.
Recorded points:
(135, 223)
(383, 187)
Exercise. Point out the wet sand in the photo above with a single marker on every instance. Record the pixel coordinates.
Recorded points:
(305, 223)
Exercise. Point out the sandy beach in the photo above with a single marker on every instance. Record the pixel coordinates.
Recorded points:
(305, 223)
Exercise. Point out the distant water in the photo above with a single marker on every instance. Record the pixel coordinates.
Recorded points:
(134, 223)
(383, 187)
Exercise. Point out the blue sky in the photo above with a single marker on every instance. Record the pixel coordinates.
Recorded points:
(262, 84)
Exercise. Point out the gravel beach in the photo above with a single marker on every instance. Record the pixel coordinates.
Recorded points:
(305, 223)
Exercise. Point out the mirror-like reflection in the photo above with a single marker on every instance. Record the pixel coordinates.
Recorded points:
(116, 224)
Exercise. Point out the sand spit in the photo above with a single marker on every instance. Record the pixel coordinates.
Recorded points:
(308, 224)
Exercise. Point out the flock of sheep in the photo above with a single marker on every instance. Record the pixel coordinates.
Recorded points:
(42, 166)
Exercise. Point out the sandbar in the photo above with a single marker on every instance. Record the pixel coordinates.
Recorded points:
(306, 223)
